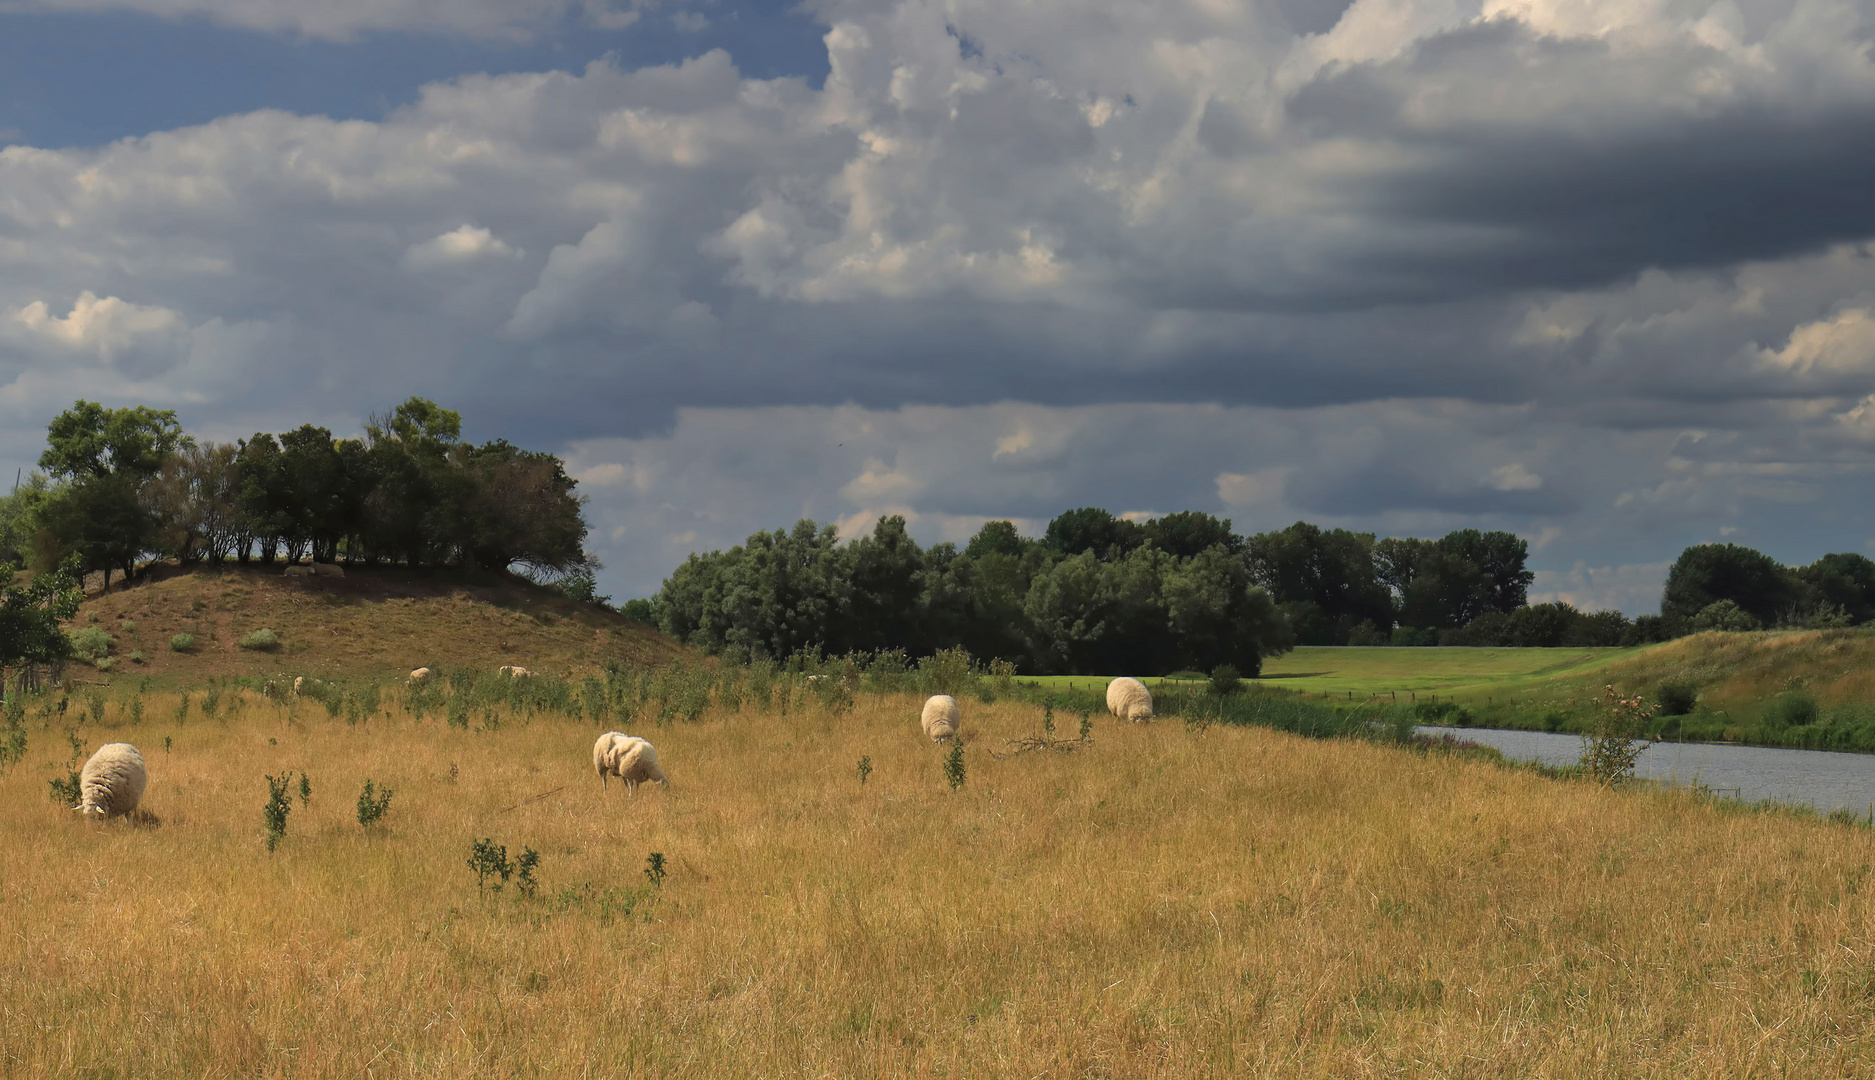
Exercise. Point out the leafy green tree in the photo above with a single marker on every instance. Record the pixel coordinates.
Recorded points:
(884, 574)
(1325, 580)
(1216, 615)
(1842, 580)
(91, 440)
(103, 457)
(1705, 574)
(1092, 529)
(1094, 616)
(996, 537)
(1448, 583)
(1189, 532)
(30, 614)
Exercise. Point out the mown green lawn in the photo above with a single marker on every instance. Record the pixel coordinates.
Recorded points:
(1328, 669)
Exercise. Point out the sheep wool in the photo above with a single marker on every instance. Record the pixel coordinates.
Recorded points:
(420, 674)
(514, 671)
(113, 780)
(627, 757)
(941, 719)
(1128, 699)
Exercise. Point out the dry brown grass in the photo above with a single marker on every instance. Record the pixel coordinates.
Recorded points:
(371, 621)
(1161, 904)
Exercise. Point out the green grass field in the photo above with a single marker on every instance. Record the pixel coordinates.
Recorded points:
(1464, 672)
(1328, 669)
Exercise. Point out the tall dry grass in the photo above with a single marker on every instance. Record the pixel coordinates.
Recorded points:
(1158, 904)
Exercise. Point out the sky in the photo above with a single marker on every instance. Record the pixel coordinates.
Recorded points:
(1595, 271)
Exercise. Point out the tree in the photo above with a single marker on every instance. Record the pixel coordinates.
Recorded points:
(1217, 616)
(1092, 529)
(1845, 581)
(30, 615)
(1094, 616)
(91, 440)
(104, 457)
(998, 537)
(1705, 574)
(1324, 579)
(1448, 583)
(1190, 532)
(884, 575)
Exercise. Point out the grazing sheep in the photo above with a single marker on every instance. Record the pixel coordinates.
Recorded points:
(420, 675)
(113, 781)
(514, 671)
(327, 569)
(627, 757)
(1128, 699)
(299, 683)
(941, 719)
(299, 571)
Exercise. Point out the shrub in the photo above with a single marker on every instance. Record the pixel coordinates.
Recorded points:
(372, 804)
(273, 815)
(129, 626)
(947, 671)
(90, 643)
(263, 640)
(137, 657)
(1613, 744)
(105, 664)
(1225, 680)
(954, 765)
(1724, 615)
(654, 868)
(490, 860)
(1792, 710)
(643, 611)
(182, 643)
(1676, 698)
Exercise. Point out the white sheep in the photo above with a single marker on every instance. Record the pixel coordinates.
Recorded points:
(327, 569)
(941, 719)
(299, 683)
(627, 757)
(515, 671)
(112, 782)
(1128, 699)
(420, 675)
(299, 571)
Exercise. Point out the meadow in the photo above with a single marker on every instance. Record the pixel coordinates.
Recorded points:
(1160, 900)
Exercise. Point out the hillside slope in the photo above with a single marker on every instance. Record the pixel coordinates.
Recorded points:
(371, 622)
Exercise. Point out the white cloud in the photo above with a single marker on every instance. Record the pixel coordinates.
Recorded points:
(465, 244)
(1513, 477)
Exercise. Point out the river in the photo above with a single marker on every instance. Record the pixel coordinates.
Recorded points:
(1816, 778)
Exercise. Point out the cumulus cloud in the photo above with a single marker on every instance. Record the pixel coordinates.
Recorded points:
(1398, 264)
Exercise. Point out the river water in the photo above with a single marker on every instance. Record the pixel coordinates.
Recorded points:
(1815, 778)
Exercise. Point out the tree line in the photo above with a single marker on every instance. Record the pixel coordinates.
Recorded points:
(1096, 592)
(123, 485)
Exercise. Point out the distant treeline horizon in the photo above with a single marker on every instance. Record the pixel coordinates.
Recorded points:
(1099, 593)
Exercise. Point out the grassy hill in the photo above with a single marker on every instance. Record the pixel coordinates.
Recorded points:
(369, 623)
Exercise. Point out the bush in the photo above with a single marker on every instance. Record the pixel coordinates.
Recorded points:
(1225, 681)
(1724, 615)
(105, 664)
(90, 643)
(264, 640)
(1367, 634)
(182, 643)
(373, 802)
(1792, 710)
(641, 610)
(1676, 698)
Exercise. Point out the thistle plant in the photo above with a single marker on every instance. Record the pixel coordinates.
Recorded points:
(273, 815)
(1613, 743)
(372, 804)
(654, 868)
(865, 769)
(954, 765)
